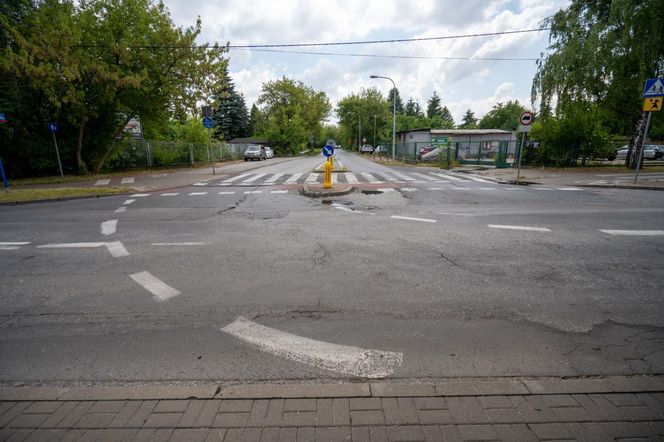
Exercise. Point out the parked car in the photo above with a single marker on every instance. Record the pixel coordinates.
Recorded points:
(659, 150)
(432, 155)
(366, 148)
(380, 150)
(269, 153)
(424, 150)
(648, 153)
(255, 152)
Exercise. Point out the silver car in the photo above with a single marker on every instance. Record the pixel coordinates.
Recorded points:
(255, 152)
(269, 153)
(648, 153)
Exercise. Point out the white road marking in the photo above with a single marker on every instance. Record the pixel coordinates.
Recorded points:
(423, 176)
(127, 180)
(252, 191)
(274, 178)
(235, 178)
(486, 188)
(335, 180)
(170, 194)
(14, 243)
(568, 188)
(386, 189)
(470, 177)
(293, 178)
(116, 249)
(634, 232)
(455, 214)
(402, 176)
(541, 188)
(371, 178)
(278, 191)
(254, 178)
(446, 176)
(312, 178)
(178, 243)
(139, 195)
(387, 176)
(355, 361)
(435, 188)
(197, 193)
(200, 184)
(109, 227)
(121, 209)
(408, 218)
(409, 189)
(73, 245)
(127, 202)
(159, 289)
(533, 229)
(9, 247)
(227, 193)
(350, 178)
(225, 184)
(102, 182)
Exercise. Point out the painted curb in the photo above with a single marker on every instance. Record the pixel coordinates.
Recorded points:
(318, 191)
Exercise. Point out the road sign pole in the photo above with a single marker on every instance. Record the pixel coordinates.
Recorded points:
(523, 140)
(211, 152)
(57, 153)
(5, 183)
(643, 140)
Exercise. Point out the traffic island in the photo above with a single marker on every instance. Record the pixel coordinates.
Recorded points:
(318, 191)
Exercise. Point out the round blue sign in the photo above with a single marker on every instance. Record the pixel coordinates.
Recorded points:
(208, 122)
(328, 151)
(53, 127)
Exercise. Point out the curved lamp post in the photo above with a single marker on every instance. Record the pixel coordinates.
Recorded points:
(394, 114)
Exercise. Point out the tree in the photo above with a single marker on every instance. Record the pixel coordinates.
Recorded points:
(413, 108)
(446, 115)
(356, 111)
(293, 113)
(255, 120)
(469, 120)
(390, 98)
(600, 53)
(433, 106)
(230, 115)
(503, 116)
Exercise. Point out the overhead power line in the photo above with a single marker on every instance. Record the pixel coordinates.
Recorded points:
(406, 57)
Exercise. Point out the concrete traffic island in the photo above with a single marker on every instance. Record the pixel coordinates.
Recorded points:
(318, 191)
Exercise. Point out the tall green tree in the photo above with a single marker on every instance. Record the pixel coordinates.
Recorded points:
(294, 113)
(434, 108)
(413, 108)
(503, 116)
(390, 99)
(447, 117)
(469, 121)
(600, 53)
(230, 114)
(255, 120)
(356, 116)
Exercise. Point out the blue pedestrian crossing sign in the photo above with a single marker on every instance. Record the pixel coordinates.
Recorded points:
(654, 88)
(53, 126)
(208, 122)
(328, 151)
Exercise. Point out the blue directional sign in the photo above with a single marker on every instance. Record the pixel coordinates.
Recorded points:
(208, 122)
(654, 88)
(53, 126)
(2, 117)
(328, 151)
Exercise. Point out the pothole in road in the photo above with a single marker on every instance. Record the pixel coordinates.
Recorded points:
(372, 192)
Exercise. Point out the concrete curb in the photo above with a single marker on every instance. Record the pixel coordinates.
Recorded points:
(451, 388)
(318, 191)
(621, 186)
(69, 198)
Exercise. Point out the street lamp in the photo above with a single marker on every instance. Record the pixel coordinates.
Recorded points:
(394, 114)
(374, 131)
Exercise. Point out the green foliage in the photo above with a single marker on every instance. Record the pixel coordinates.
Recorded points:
(469, 120)
(231, 116)
(503, 116)
(413, 108)
(390, 99)
(358, 110)
(433, 106)
(256, 122)
(293, 114)
(446, 115)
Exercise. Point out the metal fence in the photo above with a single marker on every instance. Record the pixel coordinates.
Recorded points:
(143, 153)
(480, 152)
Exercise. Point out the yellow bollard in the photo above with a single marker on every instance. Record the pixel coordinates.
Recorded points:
(327, 176)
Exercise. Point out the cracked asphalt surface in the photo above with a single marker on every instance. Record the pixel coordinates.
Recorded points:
(458, 298)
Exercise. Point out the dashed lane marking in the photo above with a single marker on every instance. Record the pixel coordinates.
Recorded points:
(355, 361)
(139, 195)
(227, 193)
(252, 191)
(161, 291)
(121, 209)
(73, 245)
(170, 194)
(409, 189)
(178, 243)
(109, 227)
(409, 218)
(117, 249)
(197, 193)
(633, 232)
(12, 245)
(279, 191)
(386, 189)
(527, 228)
(568, 188)
(127, 202)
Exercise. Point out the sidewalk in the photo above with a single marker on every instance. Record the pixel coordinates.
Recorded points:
(505, 409)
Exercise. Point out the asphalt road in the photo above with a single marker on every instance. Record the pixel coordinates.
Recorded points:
(435, 268)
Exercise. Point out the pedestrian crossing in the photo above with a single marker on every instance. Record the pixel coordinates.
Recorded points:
(267, 179)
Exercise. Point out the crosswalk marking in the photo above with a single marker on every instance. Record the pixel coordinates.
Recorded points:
(388, 177)
(293, 178)
(402, 176)
(425, 177)
(235, 178)
(254, 178)
(312, 178)
(350, 178)
(127, 180)
(274, 178)
(252, 191)
(471, 177)
(335, 180)
(371, 178)
(446, 177)
(102, 182)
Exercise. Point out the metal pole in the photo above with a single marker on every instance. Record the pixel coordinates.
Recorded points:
(5, 183)
(643, 140)
(523, 139)
(374, 131)
(210, 152)
(57, 153)
(359, 133)
(394, 119)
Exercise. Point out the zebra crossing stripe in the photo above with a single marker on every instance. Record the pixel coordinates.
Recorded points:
(402, 176)
(235, 178)
(388, 177)
(425, 177)
(335, 180)
(371, 178)
(274, 178)
(293, 178)
(254, 178)
(472, 178)
(312, 178)
(350, 178)
(446, 177)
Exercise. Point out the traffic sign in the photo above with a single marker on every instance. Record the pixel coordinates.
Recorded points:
(2, 118)
(526, 118)
(53, 126)
(654, 88)
(525, 127)
(328, 151)
(206, 111)
(653, 104)
(208, 122)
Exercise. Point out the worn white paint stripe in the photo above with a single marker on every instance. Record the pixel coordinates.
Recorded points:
(568, 188)
(541, 188)
(348, 360)
(9, 247)
(370, 178)
(109, 227)
(116, 249)
(14, 243)
(312, 178)
(350, 178)
(486, 188)
(235, 178)
(139, 195)
(127, 202)
(409, 189)
(102, 182)
(197, 193)
(252, 191)
(127, 180)
(634, 232)
(274, 178)
(469, 177)
(178, 243)
(278, 191)
(425, 177)
(73, 245)
(159, 289)
(408, 218)
(402, 176)
(388, 177)
(225, 184)
(121, 209)
(254, 178)
(436, 188)
(455, 214)
(528, 228)
(227, 193)
(335, 179)
(446, 177)
(293, 178)
(200, 184)
(170, 194)
(386, 189)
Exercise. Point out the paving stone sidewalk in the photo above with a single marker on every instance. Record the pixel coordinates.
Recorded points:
(507, 411)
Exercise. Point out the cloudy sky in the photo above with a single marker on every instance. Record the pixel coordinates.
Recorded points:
(461, 84)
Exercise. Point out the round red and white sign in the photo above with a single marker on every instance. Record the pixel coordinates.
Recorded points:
(526, 118)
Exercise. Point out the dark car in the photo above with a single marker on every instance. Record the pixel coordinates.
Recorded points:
(255, 152)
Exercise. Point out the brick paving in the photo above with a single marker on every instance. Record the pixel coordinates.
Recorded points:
(606, 416)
